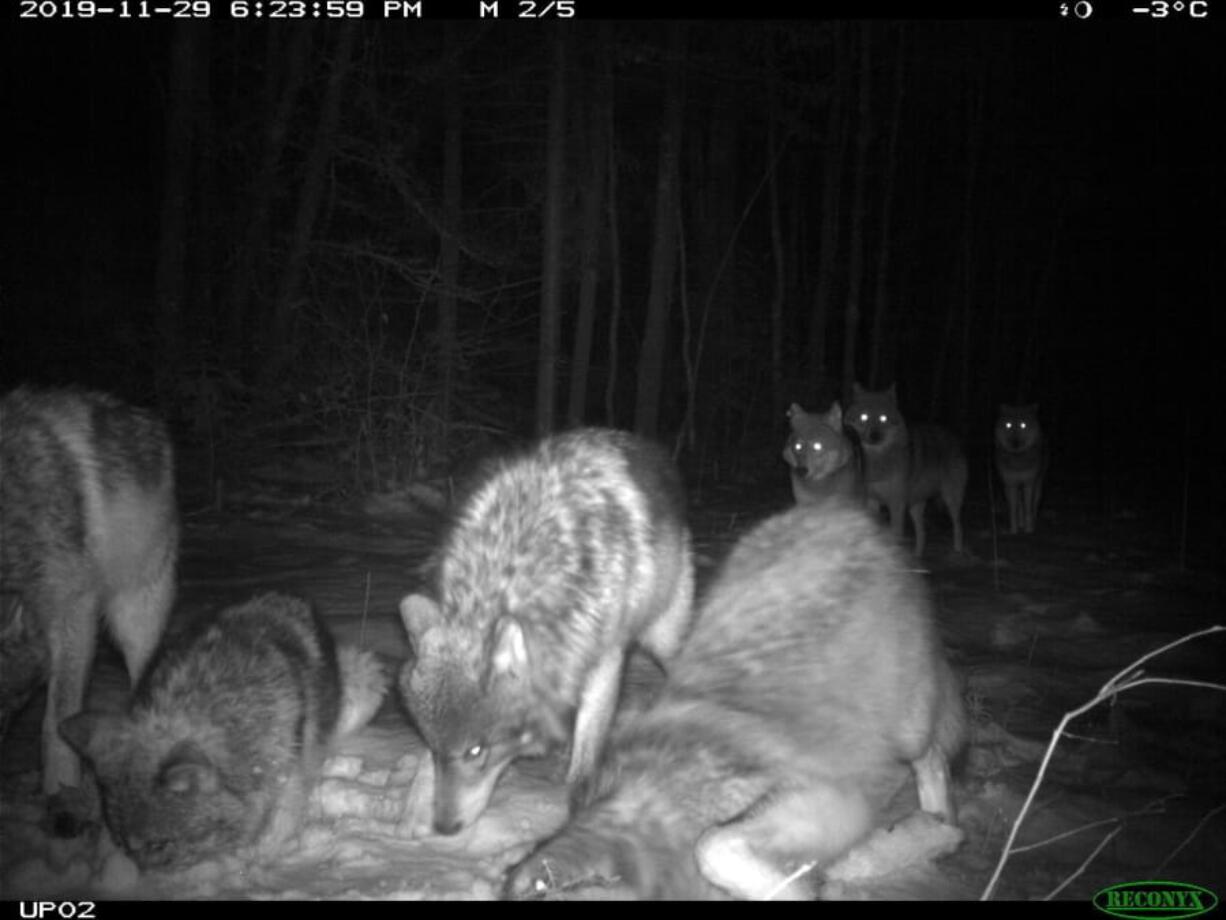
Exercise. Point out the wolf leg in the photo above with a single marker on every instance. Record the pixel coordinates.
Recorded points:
(896, 509)
(932, 780)
(753, 858)
(68, 603)
(1028, 505)
(664, 636)
(952, 495)
(1036, 496)
(1013, 492)
(596, 705)
(137, 615)
(917, 519)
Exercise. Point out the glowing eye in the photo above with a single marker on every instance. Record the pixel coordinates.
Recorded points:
(864, 416)
(817, 445)
(883, 419)
(1021, 424)
(474, 752)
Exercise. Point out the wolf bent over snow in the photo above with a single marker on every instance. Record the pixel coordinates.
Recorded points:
(87, 525)
(812, 675)
(223, 739)
(558, 561)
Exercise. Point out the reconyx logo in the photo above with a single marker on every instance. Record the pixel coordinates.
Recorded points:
(1155, 900)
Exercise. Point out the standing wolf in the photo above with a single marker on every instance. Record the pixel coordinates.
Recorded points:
(558, 561)
(87, 526)
(223, 739)
(1021, 461)
(907, 464)
(812, 675)
(825, 460)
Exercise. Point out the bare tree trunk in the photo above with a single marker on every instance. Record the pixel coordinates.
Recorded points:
(615, 256)
(855, 262)
(881, 306)
(779, 258)
(589, 264)
(974, 139)
(1028, 370)
(970, 257)
(284, 73)
(664, 249)
(716, 191)
(551, 260)
(170, 279)
(449, 249)
(838, 133)
(281, 341)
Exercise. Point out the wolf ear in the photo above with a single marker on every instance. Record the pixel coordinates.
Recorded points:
(188, 770)
(795, 411)
(93, 735)
(834, 415)
(419, 613)
(856, 390)
(510, 657)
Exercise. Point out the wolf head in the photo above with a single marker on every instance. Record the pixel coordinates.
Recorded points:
(818, 446)
(1017, 427)
(471, 698)
(874, 416)
(167, 806)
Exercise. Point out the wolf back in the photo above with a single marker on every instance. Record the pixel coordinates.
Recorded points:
(223, 738)
(813, 674)
(558, 561)
(826, 459)
(89, 525)
(1021, 462)
(907, 464)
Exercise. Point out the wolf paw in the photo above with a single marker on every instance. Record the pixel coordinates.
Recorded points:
(555, 868)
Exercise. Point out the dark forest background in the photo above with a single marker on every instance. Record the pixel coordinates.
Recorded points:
(397, 246)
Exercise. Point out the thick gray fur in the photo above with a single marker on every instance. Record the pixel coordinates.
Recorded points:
(812, 678)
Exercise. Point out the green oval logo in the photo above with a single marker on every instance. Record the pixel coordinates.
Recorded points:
(1149, 900)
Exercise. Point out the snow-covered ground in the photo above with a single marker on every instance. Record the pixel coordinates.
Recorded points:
(1036, 625)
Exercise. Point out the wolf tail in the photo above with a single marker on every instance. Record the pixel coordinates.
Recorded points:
(363, 684)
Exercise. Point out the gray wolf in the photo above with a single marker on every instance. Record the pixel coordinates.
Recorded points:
(907, 464)
(558, 561)
(812, 676)
(222, 740)
(1021, 462)
(89, 527)
(825, 459)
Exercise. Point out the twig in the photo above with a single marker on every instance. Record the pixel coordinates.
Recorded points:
(774, 892)
(1082, 868)
(1196, 830)
(1125, 679)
